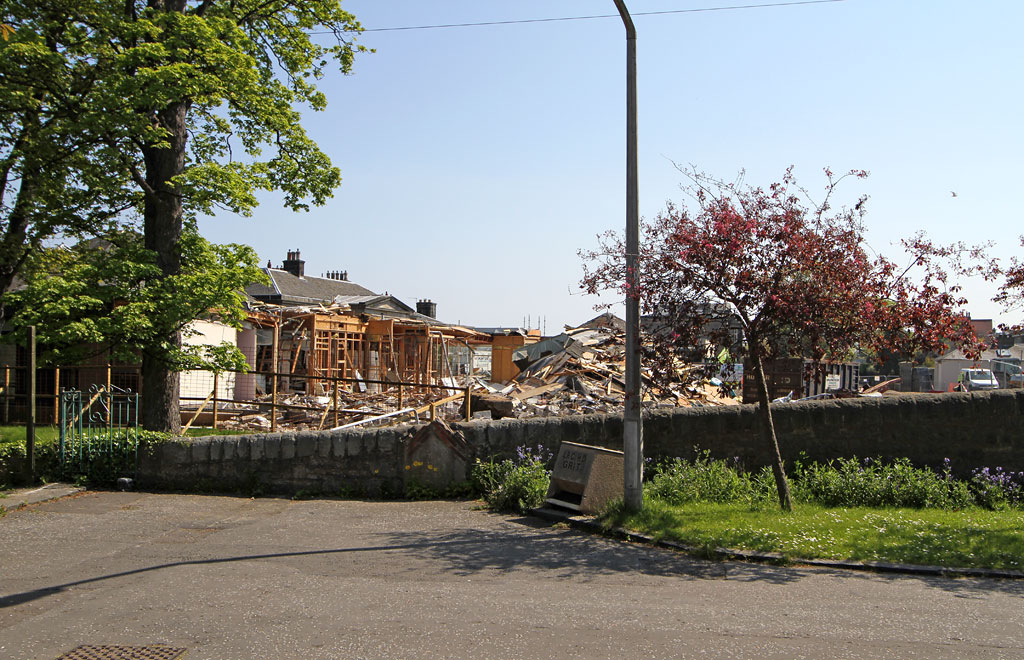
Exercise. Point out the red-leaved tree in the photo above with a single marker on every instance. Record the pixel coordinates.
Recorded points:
(793, 276)
(1011, 291)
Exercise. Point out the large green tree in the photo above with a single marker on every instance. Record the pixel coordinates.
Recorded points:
(187, 107)
(107, 297)
(57, 178)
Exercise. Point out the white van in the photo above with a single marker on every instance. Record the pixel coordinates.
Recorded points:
(978, 379)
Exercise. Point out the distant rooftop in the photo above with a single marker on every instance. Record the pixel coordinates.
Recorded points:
(286, 288)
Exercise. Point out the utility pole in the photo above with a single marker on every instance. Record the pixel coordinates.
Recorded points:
(633, 442)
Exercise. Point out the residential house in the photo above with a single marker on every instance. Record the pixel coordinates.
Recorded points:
(1004, 362)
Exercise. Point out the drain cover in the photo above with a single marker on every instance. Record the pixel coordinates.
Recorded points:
(123, 653)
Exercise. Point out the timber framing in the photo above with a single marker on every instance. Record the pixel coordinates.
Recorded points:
(324, 343)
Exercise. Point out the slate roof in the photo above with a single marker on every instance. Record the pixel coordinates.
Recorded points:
(286, 288)
(1015, 352)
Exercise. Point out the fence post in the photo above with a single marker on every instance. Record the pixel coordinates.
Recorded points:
(56, 394)
(334, 397)
(433, 412)
(7, 394)
(215, 374)
(108, 376)
(469, 413)
(30, 425)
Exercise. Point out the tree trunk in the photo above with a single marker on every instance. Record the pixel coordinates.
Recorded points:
(14, 244)
(768, 431)
(162, 228)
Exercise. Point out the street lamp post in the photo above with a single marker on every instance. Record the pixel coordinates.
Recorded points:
(633, 443)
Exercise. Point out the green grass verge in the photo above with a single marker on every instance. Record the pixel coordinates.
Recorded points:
(15, 435)
(972, 538)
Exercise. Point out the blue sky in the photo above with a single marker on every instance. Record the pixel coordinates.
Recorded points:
(477, 161)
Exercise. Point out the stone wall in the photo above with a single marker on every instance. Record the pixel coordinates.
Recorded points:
(971, 429)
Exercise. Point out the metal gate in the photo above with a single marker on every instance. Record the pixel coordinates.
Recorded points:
(100, 438)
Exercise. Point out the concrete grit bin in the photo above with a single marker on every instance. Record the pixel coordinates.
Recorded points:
(585, 478)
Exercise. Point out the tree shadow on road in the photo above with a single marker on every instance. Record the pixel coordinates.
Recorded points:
(676, 563)
(531, 544)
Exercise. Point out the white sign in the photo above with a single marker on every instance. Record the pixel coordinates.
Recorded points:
(832, 382)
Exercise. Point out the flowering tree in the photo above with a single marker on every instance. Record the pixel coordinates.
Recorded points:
(1011, 291)
(794, 276)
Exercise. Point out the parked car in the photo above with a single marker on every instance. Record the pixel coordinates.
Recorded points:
(978, 379)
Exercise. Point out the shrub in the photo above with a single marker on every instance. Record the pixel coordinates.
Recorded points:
(513, 485)
(871, 483)
(679, 481)
(997, 488)
(846, 482)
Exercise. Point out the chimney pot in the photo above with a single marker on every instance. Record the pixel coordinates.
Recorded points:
(294, 264)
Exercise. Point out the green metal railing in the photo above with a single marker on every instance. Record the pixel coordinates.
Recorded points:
(99, 437)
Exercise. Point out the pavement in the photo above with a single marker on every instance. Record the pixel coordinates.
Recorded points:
(225, 578)
(12, 499)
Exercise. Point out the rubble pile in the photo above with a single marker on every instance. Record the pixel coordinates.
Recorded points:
(581, 371)
(578, 372)
(302, 412)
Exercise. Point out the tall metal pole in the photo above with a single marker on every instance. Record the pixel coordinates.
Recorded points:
(633, 442)
(30, 422)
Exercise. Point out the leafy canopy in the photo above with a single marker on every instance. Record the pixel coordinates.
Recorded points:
(86, 85)
(241, 67)
(794, 276)
(109, 295)
(83, 83)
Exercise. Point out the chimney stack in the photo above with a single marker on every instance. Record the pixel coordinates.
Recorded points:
(426, 308)
(294, 264)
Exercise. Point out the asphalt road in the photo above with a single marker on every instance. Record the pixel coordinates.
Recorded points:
(231, 578)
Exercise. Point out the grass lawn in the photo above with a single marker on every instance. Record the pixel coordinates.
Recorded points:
(46, 434)
(15, 435)
(973, 538)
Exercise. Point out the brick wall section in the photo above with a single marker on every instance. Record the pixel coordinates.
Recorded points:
(971, 429)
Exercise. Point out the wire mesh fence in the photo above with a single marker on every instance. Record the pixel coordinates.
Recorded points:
(254, 400)
(262, 400)
(51, 381)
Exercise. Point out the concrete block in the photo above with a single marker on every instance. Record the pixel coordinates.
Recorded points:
(475, 434)
(354, 445)
(323, 444)
(175, 453)
(216, 449)
(338, 444)
(288, 448)
(242, 448)
(201, 450)
(388, 442)
(229, 449)
(271, 446)
(305, 445)
(257, 448)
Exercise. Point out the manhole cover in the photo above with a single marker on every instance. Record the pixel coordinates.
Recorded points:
(123, 653)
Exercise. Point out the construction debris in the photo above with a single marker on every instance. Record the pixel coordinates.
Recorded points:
(583, 371)
(579, 371)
